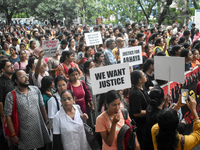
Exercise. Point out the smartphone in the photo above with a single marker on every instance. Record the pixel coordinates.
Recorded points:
(184, 95)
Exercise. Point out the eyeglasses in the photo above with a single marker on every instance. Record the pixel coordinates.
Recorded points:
(23, 76)
(68, 98)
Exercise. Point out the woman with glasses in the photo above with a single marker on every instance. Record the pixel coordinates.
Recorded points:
(68, 128)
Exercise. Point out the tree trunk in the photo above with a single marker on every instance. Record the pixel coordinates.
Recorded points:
(9, 18)
(195, 4)
(147, 16)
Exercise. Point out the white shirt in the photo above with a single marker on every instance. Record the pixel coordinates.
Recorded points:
(52, 105)
(72, 131)
(37, 82)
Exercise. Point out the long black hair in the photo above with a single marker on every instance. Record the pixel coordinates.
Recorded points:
(167, 136)
(46, 83)
(147, 64)
(64, 54)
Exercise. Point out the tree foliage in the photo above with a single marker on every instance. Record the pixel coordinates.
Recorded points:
(54, 10)
(17, 6)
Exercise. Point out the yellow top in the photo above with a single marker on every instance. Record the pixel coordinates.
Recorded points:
(114, 52)
(191, 140)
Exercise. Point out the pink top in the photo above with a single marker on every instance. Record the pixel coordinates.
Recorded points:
(22, 65)
(196, 37)
(81, 94)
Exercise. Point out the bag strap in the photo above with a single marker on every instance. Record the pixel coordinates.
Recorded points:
(182, 142)
(19, 64)
(58, 107)
(143, 96)
(14, 102)
(124, 113)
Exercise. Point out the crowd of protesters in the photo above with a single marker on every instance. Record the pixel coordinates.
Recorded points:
(54, 94)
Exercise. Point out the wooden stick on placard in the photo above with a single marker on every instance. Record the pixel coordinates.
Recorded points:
(95, 48)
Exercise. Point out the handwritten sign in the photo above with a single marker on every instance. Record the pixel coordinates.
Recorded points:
(111, 77)
(131, 55)
(93, 38)
(50, 47)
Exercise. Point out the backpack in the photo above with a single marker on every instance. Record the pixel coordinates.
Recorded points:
(127, 133)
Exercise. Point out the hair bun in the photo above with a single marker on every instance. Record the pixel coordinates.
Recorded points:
(154, 102)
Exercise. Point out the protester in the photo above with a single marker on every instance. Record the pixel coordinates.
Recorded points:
(188, 58)
(111, 121)
(22, 63)
(109, 58)
(68, 128)
(47, 85)
(66, 62)
(138, 101)
(99, 59)
(13, 57)
(33, 132)
(165, 131)
(41, 70)
(6, 85)
(54, 103)
(80, 90)
(5, 49)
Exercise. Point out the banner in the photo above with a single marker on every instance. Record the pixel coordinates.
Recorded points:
(50, 47)
(93, 38)
(191, 80)
(131, 55)
(111, 77)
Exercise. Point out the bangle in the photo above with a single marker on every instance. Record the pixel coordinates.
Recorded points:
(12, 135)
(47, 122)
(194, 120)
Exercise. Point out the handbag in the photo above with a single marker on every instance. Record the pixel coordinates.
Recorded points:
(88, 130)
(14, 117)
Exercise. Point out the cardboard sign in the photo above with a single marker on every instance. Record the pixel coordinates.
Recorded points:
(131, 55)
(197, 20)
(111, 77)
(169, 68)
(50, 47)
(93, 38)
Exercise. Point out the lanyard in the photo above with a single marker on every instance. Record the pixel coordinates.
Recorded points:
(109, 117)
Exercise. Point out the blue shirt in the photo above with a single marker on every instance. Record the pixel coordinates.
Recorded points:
(111, 56)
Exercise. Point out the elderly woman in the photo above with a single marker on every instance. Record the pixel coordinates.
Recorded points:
(68, 128)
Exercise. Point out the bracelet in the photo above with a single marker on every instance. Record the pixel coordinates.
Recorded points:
(12, 135)
(47, 122)
(194, 120)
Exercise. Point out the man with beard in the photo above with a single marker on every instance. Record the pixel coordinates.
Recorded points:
(33, 133)
(35, 38)
(6, 85)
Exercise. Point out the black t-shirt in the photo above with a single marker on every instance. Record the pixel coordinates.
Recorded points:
(149, 81)
(6, 85)
(138, 100)
(151, 119)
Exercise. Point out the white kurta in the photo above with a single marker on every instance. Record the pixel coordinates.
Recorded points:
(72, 131)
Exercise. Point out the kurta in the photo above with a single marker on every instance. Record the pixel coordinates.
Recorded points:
(33, 132)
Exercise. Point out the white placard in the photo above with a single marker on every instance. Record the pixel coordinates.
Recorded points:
(93, 38)
(50, 47)
(169, 68)
(131, 55)
(111, 77)
(197, 18)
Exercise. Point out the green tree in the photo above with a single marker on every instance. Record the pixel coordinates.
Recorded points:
(54, 10)
(11, 7)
